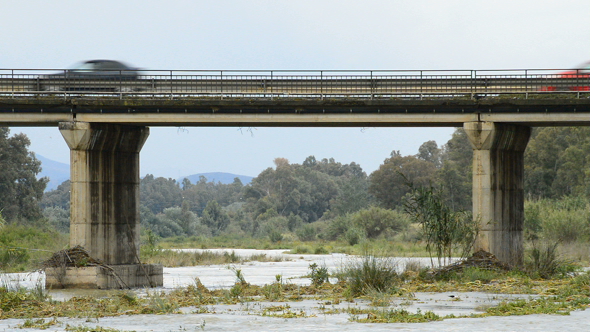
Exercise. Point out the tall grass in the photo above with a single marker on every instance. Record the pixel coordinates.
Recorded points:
(543, 260)
(23, 247)
(368, 274)
(563, 220)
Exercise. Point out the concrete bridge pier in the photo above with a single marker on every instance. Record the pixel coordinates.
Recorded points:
(105, 207)
(498, 181)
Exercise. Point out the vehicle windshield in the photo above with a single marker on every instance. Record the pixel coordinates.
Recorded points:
(84, 67)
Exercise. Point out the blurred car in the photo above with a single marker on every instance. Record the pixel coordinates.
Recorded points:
(577, 79)
(92, 75)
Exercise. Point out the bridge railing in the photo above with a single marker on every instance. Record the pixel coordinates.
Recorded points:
(294, 83)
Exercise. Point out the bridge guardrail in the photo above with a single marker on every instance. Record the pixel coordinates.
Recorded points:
(294, 83)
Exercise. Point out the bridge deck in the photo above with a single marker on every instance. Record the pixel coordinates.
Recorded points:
(321, 98)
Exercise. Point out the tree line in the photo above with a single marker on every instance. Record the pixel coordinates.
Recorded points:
(289, 198)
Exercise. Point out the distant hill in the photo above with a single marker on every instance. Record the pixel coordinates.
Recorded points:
(59, 172)
(225, 178)
(56, 172)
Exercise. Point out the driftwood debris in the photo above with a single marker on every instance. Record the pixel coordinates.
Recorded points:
(76, 257)
(480, 259)
(73, 257)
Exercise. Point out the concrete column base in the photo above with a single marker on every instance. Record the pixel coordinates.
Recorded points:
(98, 277)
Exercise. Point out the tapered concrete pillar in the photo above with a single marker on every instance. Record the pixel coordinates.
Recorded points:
(105, 200)
(498, 187)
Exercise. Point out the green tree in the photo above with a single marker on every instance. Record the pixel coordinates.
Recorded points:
(375, 220)
(168, 222)
(187, 220)
(430, 152)
(458, 149)
(20, 190)
(215, 218)
(353, 195)
(389, 183)
(58, 197)
(301, 190)
(557, 162)
(199, 194)
(149, 221)
(455, 176)
(56, 207)
(448, 167)
(159, 193)
(58, 217)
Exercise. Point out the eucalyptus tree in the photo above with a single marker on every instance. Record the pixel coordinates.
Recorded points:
(20, 189)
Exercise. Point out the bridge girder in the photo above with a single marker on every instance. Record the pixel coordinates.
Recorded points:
(346, 112)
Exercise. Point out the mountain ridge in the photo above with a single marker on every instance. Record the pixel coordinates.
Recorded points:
(58, 172)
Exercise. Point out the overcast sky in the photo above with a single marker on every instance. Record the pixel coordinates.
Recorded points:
(276, 34)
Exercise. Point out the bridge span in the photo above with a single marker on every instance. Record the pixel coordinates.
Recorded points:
(105, 122)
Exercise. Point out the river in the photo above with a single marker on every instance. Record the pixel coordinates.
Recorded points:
(249, 316)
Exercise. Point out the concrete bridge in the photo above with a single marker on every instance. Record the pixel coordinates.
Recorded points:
(105, 122)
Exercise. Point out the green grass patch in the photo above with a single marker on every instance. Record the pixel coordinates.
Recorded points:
(23, 248)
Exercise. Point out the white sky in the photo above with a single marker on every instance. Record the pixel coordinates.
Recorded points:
(277, 34)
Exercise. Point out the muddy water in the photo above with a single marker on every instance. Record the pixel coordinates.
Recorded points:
(249, 316)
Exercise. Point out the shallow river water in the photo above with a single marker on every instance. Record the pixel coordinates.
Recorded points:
(248, 316)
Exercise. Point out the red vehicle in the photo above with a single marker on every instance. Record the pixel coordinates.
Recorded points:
(577, 79)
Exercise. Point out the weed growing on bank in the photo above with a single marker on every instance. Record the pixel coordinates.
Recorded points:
(369, 273)
(40, 323)
(393, 316)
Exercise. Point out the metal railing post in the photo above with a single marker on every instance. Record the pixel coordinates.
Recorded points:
(321, 85)
(526, 84)
(372, 85)
(120, 84)
(170, 79)
(578, 82)
(421, 84)
(67, 85)
(272, 96)
(473, 83)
